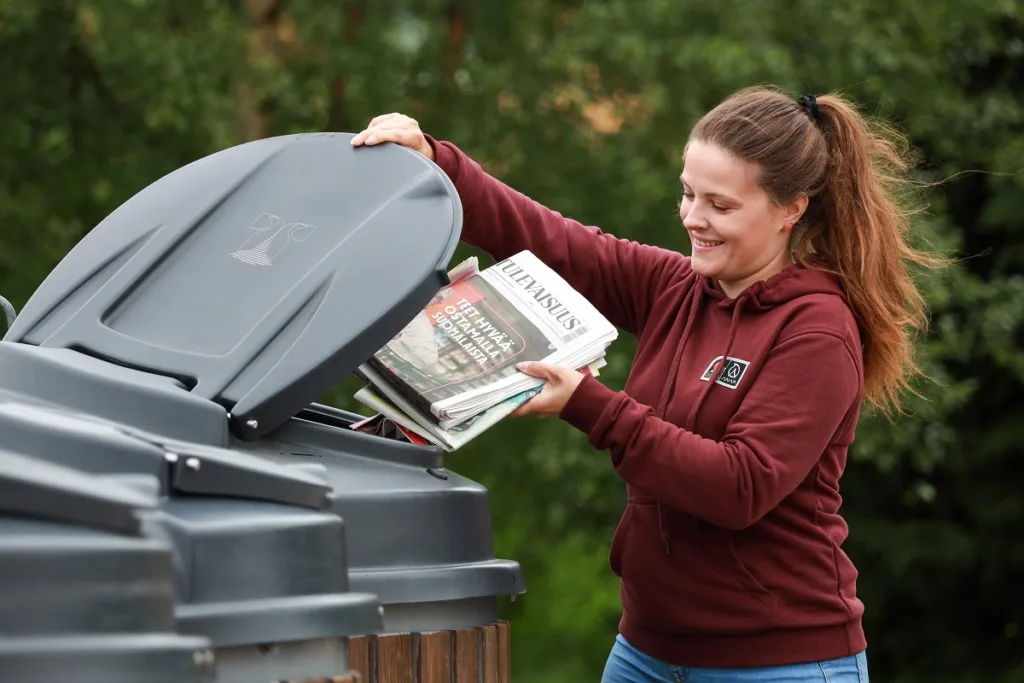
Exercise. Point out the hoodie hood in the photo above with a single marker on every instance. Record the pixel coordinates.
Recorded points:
(793, 281)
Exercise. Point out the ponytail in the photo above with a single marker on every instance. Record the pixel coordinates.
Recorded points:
(863, 235)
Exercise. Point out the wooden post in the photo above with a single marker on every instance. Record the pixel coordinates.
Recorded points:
(471, 655)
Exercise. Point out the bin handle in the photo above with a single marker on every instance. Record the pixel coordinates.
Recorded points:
(9, 312)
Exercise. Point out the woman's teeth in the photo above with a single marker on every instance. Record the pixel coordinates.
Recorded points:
(705, 243)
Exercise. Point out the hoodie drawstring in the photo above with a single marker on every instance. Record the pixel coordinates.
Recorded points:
(665, 522)
(697, 292)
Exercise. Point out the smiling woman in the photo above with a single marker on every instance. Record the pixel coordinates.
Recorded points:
(730, 547)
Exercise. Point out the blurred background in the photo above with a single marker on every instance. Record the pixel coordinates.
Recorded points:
(585, 105)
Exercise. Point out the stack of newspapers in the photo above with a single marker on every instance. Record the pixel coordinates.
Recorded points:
(451, 374)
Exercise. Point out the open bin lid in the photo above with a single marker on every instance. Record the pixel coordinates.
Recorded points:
(257, 276)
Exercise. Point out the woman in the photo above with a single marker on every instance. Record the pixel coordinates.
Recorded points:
(755, 354)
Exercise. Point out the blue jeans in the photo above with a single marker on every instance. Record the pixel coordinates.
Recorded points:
(626, 664)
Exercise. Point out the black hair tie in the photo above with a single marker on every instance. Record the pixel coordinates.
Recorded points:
(810, 104)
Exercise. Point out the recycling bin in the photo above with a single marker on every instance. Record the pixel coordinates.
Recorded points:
(259, 559)
(85, 596)
(188, 337)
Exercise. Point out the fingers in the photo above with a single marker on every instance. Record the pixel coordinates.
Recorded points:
(401, 136)
(397, 128)
(385, 125)
(537, 369)
(392, 117)
(538, 405)
(544, 403)
(377, 120)
(521, 411)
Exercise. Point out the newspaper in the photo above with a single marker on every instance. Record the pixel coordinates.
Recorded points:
(450, 374)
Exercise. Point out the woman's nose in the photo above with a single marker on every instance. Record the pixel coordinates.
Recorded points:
(692, 217)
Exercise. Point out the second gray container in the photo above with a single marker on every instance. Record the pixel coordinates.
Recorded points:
(85, 597)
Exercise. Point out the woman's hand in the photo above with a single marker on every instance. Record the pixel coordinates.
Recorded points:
(396, 128)
(560, 383)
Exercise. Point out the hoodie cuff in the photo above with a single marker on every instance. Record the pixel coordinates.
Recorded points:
(584, 407)
(465, 174)
(445, 157)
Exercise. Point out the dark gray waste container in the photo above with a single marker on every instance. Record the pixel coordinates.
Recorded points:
(85, 597)
(260, 560)
(208, 313)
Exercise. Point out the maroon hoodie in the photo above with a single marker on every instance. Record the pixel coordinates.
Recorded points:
(729, 548)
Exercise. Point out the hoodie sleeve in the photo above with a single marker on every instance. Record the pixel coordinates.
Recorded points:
(786, 421)
(619, 277)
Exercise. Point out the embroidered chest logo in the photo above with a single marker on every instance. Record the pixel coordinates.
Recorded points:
(728, 373)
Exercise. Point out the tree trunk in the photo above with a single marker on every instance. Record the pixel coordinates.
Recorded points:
(263, 15)
(337, 116)
(458, 29)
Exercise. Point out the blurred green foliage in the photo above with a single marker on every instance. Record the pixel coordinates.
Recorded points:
(585, 106)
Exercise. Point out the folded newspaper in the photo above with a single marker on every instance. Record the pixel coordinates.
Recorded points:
(451, 374)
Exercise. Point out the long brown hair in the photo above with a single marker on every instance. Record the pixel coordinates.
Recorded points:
(857, 224)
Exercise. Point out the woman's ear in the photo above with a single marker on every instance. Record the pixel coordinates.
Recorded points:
(794, 211)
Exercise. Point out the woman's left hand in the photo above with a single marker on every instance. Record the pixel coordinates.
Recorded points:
(560, 383)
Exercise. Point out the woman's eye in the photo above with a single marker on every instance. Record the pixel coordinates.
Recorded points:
(718, 207)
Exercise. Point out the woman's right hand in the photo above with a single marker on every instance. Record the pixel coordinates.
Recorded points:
(396, 128)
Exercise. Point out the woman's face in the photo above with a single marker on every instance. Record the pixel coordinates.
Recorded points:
(738, 235)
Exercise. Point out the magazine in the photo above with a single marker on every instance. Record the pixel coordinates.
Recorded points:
(450, 374)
